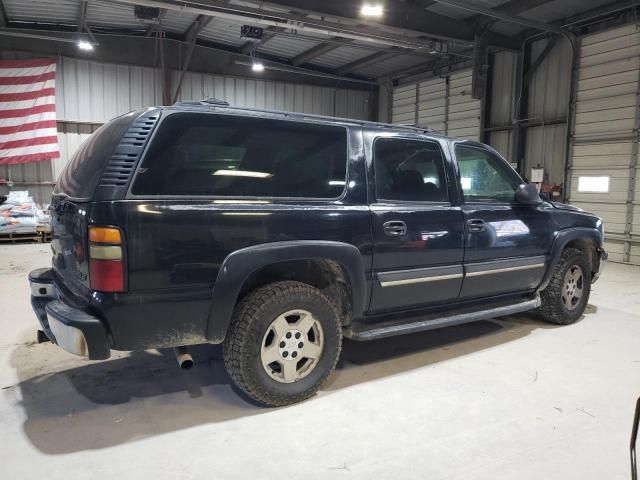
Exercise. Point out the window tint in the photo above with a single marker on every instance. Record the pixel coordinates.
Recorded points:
(409, 170)
(485, 176)
(80, 176)
(205, 154)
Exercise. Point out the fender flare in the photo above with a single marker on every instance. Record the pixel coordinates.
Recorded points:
(560, 242)
(238, 265)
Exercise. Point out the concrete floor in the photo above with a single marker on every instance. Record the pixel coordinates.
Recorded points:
(509, 398)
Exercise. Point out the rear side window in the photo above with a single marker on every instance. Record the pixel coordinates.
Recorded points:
(409, 170)
(223, 155)
(80, 176)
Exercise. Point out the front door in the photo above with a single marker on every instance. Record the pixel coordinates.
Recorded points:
(506, 244)
(417, 231)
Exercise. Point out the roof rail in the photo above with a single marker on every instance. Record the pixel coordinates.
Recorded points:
(216, 103)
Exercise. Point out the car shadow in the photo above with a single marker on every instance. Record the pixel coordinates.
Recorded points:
(73, 405)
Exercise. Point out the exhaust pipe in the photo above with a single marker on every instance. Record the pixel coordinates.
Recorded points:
(185, 360)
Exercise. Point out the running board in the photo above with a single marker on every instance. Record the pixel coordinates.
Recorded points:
(430, 321)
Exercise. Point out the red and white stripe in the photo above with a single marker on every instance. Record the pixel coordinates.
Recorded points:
(28, 130)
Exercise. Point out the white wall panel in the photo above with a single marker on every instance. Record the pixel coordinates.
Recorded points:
(432, 104)
(404, 104)
(96, 92)
(443, 104)
(464, 110)
(275, 95)
(89, 93)
(606, 135)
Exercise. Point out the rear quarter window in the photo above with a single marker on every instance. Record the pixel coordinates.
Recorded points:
(195, 154)
(80, 176)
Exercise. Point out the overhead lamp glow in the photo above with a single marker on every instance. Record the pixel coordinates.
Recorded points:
(371, 10)
(257, 67)
(84, 45)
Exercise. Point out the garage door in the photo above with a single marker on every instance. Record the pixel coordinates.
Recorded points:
(403, 105)
(463, 111)
(443, 104)
(603, 170)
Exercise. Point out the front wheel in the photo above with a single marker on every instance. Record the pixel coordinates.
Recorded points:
(566, 296)
(283, 342)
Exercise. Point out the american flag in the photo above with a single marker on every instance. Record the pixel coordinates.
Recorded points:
(28, 111)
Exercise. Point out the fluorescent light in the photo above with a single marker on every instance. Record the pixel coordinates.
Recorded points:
(337, 183)
(241, 173)
(84, 45)
(257, 67)
(371, 10)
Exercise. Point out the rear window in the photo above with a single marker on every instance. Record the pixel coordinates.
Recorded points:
(223, 155)
(80, 176)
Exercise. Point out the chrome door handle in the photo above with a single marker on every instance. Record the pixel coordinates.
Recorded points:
(475, 225)
(395, 228)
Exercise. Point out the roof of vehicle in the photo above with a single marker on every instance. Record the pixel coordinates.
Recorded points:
(213, 105)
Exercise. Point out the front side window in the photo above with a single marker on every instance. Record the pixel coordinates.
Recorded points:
(484, 176)
(409, 170)
(223, 155)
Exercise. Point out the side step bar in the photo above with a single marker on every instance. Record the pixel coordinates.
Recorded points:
(430, 321)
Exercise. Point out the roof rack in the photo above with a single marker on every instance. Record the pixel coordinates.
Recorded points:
(216, 103)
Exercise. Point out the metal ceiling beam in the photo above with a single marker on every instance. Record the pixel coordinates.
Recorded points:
(507, 17)
(156, 26)
(395, 33)
(597, 12)
(406, 15)
(82, 15)
(516, 7)
(191, 35)
(3, 16)
(368, 60)
(538, 61)
(319, 50)
(196, 27)
(266, 36)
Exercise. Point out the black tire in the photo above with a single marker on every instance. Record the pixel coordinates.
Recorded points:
(553, 309)
(251, 321)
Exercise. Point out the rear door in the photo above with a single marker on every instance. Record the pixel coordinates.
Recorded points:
(417, 229)
(506, 244)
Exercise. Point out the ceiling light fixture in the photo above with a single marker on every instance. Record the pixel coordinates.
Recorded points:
(84, 45)
(371, 10)
(257, 67)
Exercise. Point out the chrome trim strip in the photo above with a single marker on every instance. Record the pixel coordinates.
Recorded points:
(503, 270)
(409, 281)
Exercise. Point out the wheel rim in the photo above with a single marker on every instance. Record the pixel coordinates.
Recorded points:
(573, 287)
(292, 346)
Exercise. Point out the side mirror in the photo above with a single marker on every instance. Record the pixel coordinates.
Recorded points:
(545, 196)
(527, 194)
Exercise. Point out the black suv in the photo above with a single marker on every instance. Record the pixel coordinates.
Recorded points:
(278, 234)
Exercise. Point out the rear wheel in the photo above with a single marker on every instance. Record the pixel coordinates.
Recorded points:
(566, 296)
(283, 342)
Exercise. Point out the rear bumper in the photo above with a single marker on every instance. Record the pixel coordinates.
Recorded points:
(603, 256)
(70, 327)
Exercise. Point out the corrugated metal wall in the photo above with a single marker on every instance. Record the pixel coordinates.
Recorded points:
(444, 104)
(502, 102)
(432, 104)
(89, 93)
(547, 104)
(275, 95)
(605, 143)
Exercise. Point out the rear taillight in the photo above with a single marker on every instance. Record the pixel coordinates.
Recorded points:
(106, 259)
